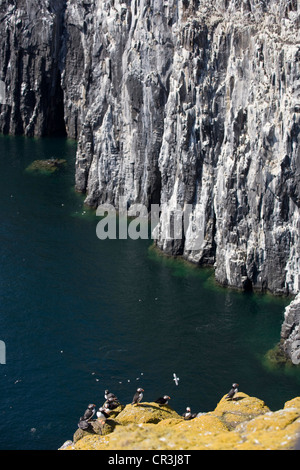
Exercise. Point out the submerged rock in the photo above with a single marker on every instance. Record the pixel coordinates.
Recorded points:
(244, 423)
(51, 165)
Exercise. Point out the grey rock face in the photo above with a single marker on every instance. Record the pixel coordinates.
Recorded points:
(125, 52)
(174, 103)
(30, 67)
(290, 331)
(195, 103)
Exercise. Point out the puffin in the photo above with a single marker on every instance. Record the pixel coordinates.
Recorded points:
(108, 394)
(89, 413)
(103, 414)
(232, 392)
(111, 403)
(163, 400)
(188, 414)
(138, 396)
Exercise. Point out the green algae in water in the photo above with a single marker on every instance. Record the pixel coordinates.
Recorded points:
(179, 267)
(275, 358)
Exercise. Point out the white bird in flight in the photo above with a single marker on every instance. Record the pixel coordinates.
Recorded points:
(176, 379)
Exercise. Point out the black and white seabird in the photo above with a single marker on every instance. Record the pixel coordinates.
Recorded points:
(138, 396)
(232, 392)
(111, 403)
(89, 413)
(108, 394)
(163, 400)
(188, 414)
(103, 414)
(86, 418)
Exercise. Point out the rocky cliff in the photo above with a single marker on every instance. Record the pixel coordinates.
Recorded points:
(290, 331)
(30, 66)
(173, 103)
(196, 103)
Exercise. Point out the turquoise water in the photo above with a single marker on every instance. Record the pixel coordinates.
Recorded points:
(79, 315)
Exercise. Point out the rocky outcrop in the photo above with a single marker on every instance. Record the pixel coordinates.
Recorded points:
(245, 423)
(49, 166)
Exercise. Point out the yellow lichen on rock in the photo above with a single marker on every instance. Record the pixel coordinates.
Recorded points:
(274, 430)
(146, 413)
(294, 403)
(242, 408)
(244, 423)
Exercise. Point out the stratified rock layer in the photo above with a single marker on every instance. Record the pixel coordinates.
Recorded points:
(245, 423)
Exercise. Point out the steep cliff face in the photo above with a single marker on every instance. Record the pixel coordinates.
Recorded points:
(194, 103)
(290, 331)
(30, 67)
(174, 103)
(126, 52)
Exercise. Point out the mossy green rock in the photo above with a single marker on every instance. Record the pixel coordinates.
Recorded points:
(49, 166)
(245, 423)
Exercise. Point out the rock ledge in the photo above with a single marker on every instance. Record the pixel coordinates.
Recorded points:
(245, 423)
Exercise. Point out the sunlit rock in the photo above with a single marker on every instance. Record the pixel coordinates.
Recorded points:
(244, 423)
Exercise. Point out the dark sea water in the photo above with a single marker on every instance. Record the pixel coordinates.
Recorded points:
(79, 315)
